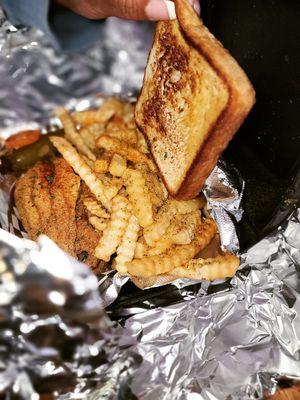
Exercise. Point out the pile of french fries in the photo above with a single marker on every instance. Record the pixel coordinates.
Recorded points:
(145, 233)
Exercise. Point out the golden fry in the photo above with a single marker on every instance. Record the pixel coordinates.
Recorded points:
(160, 264)
(181, 231)
(95, 208)
(140, 250)
(105, 112)
(115, 228)
(141, 143)
(121, 132)
(176, 256)
(128, 113)
(98, 223)
(88, 161)
(101, 165)
(184, 207)
(139, 196)
(71, 133)
(81, 168)
(123, 149)
(88, 138)
(117, 165)
(125, 251)
(210, 269)
(95, 130)
(161, 246)
(156, 188)
(162, 221)
(205, 232)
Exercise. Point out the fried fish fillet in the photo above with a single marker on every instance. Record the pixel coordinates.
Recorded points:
(46, 197)
(195, 96)
(49, 198)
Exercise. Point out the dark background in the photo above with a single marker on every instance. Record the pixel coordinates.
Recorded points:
(264, 36)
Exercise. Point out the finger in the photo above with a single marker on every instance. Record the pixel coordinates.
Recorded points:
(141, 9)
(154, 10)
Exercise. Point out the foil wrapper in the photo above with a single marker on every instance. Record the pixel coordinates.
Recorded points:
(232, 344)
(226, 340)
(55, 338)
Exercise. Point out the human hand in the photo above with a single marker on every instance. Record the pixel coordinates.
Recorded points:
(154, 10)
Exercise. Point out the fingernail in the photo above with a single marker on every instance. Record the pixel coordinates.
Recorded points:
(157, 10)
(196, 6)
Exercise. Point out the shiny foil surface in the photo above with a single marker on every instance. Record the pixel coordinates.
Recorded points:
(54, 336)
(231, 344)
(225, 340)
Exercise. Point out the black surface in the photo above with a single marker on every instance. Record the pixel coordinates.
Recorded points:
(264, 36)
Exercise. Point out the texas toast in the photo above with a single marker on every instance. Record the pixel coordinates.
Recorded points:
(194, 98)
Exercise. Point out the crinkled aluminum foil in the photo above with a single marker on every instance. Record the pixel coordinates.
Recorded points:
(55, 338)
(207, 341)
(35, 78)
(234, 343)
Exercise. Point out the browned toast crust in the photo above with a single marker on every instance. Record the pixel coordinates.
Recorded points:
(241, 97)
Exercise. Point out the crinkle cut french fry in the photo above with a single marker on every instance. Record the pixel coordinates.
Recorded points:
(184, 207)
(128, 113)
(113, 188)
(98, 223)
(81, 168)
(116, 104)
(88, 138)
(155, 187)
(95, 208)
(106, 111)
(95, 130)
(88, 161)
(101, 165)
(180, 233)
(123, 149)
(121, 132)
(160, 264)
(176, 256)
(125, 251)
(140, 250)
(114, 231)
(71, 133)
(210, 269)
(139, 196)
(141, 143)
(117, 165)
(205, 232)
(162, 221)
(160, 247)
(184, 230)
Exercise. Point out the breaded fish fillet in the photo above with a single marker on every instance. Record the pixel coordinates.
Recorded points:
(46, 197)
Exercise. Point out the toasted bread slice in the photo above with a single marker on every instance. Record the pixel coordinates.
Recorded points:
(194, 98)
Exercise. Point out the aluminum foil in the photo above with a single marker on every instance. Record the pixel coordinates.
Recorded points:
(232, 344)
(35, 78)
(223, 340)
(55, 338)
